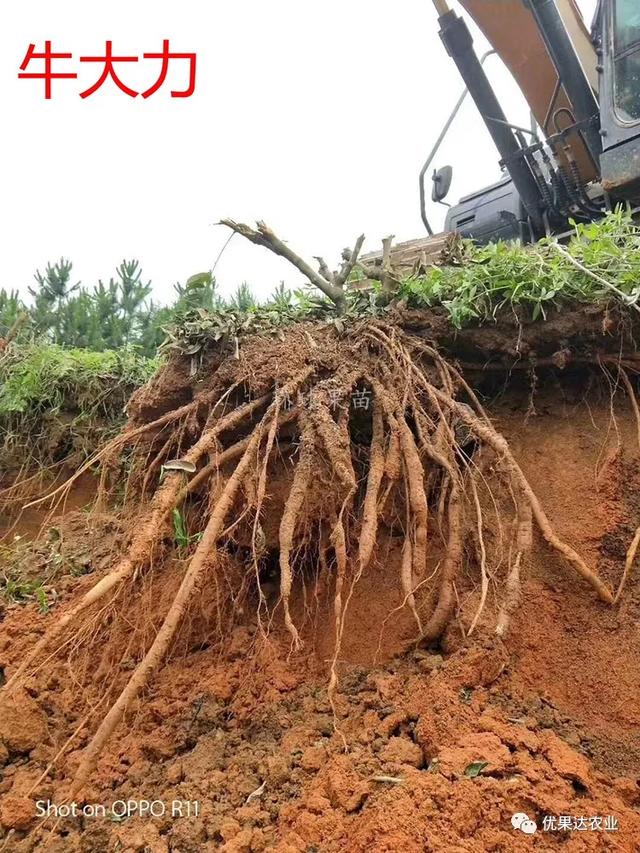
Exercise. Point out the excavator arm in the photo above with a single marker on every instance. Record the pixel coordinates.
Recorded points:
(584, 92)
(512, 31)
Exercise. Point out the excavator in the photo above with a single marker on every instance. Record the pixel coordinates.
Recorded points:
(581, 155)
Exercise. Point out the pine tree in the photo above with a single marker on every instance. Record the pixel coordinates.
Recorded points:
(111, 315)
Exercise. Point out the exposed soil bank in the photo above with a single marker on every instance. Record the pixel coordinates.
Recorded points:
(443, 744)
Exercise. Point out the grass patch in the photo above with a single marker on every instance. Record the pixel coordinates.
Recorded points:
(531, 281)
(478, 285)
(46, 376)
(17, 591)
(56, 402)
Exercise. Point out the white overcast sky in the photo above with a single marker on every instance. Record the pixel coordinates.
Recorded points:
(315, 117)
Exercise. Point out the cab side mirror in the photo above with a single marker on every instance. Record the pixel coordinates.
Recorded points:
(441, 180)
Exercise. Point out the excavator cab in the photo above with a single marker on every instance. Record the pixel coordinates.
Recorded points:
(622, 29)
(583, 88)
(617, 39)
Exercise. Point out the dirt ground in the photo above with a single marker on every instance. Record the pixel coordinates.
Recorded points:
(435, 749)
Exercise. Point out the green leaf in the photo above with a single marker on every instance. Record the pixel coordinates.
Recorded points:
(475, 769)
(200, 279)
(179, 529)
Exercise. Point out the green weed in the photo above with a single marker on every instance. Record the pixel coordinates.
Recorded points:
(55, 402)
(531, 281)
(17, 590)
(180, 533)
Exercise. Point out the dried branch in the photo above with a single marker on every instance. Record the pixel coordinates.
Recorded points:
(350, 258)
(324, 269)
(380, 269)
(331, 285)
(386, 277)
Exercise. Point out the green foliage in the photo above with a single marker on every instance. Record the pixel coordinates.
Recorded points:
(180, 532)
(466, 694)
(49, 377)
(482, 283)
(243, 315)
(11, 306)
(486, 281)
(243, 299)
(61, 396)
(475, 769)
(56, 402)
(16, 590)
(532, 280)
(110, 316)
(107, 316)
(282, 297)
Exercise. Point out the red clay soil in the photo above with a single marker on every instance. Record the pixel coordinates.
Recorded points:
(430, 750)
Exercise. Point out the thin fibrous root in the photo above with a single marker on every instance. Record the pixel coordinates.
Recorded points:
(163, 502)
(141, 675)
(155, 463)
(338, 540)
(489, 435)
(628, 564)
(632, 399)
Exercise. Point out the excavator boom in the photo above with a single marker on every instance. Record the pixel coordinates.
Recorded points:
(511, 30)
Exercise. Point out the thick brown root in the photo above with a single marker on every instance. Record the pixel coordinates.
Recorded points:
(406, 580)
(368, 533)
(140, 550)
(161, 644)
(393, 458)
(451, 565)
(414, 477)
(513, 589)
(297, 495)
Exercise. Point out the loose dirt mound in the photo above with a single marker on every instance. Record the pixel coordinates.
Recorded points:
(325, 688)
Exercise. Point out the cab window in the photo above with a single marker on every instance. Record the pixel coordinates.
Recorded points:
(626, 37)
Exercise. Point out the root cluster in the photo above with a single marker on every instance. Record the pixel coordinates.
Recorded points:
(372, 428)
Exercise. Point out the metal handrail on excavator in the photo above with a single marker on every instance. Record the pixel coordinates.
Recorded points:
(436, 147)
